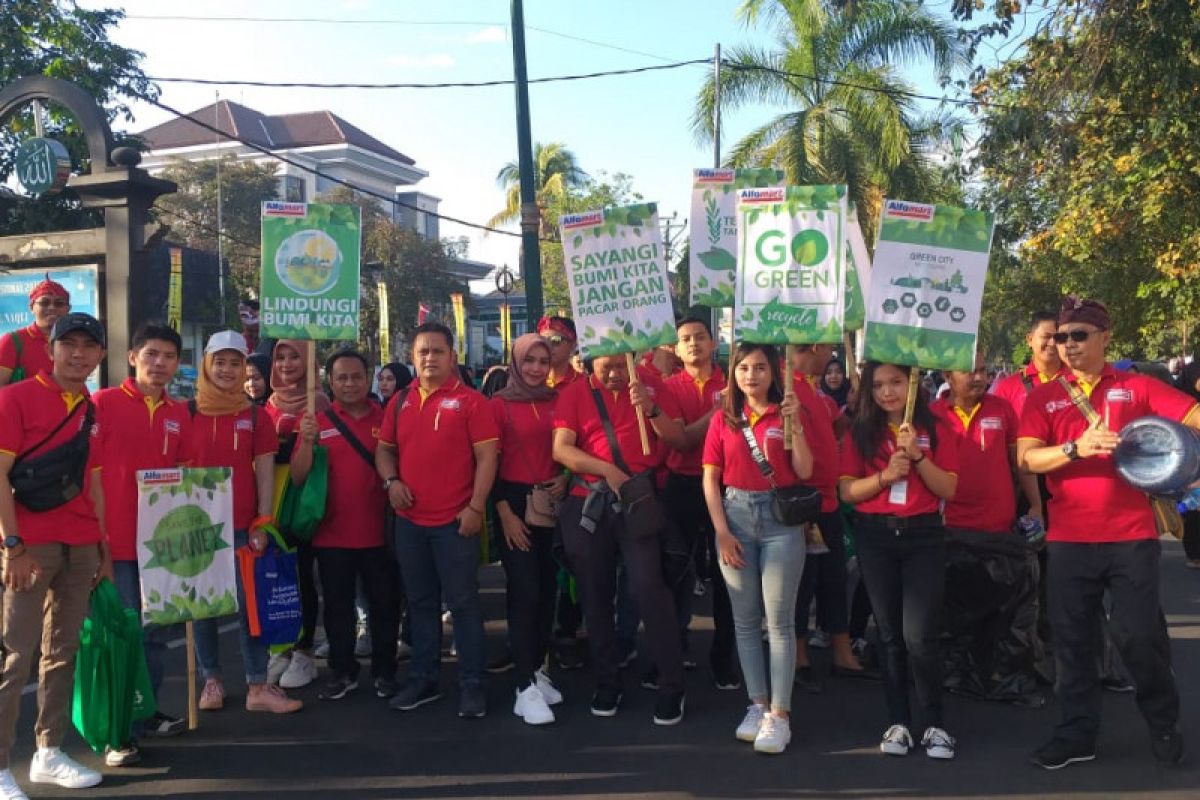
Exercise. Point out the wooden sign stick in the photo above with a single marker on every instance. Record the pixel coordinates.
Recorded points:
(641, 415)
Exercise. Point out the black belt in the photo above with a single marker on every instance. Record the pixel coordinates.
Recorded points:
(893, 523)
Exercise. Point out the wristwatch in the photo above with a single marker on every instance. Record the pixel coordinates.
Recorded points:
(13, 541)
(1071, 450)
(387, 482)
(654, 411)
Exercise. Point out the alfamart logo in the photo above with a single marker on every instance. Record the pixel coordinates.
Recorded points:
(275, 208)
(755, 196)
(898, 209)
(161, 477)
(587, 220)
(714, 175)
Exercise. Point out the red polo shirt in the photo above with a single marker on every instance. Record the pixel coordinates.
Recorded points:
(1013, 388)
(727, 450)
(576, 411)
(285, 424)
(35, 351)
(817, 414)
(354, 510)
(918, 498)
(136, 433)
(571, 377)
(29, 411)
(814, 383)
(984, 499)
(526, 440)
(693, 399)
(436, 434)
(1089, 502)
(235, 440)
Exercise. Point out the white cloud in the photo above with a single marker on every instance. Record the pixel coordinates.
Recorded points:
(427, 61)
(490, 35)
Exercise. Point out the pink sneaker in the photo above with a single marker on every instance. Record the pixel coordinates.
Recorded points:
(212, 697)
(269, 697)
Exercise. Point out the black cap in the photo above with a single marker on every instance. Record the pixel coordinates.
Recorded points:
(78, 321)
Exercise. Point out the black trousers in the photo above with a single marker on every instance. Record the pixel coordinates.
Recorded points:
(530, 587)
(592, 556)
(684, 499)
(340, 568)
(309, 600)
(1191, 535)
(824, 578)
(904, 573)
(1079, 574)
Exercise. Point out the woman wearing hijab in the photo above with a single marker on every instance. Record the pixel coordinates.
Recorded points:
(258, 378)
(290, 361)
(526, 493)
(393, 377)
(228, 431)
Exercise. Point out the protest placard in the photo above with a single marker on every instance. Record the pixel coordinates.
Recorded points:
(310, 270)
(713, 239)
(858, 272)
(927, 284)
(791, 251)
(617, 277)
(185, 544)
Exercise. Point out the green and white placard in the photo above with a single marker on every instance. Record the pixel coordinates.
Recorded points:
(791, 254)
(617, 276)
(310, 267)
(858, 273)
(185, 544)
(927, 284)
(713, 240)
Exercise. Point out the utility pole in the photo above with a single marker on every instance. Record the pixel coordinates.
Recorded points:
(531, 218)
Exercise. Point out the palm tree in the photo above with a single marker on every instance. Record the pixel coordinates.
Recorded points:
(849, 116)
(555, 173)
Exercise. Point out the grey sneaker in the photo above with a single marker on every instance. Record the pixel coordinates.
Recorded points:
(472, 703)
(415, 694)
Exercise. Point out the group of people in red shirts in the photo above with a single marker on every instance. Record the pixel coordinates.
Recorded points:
(631, 482)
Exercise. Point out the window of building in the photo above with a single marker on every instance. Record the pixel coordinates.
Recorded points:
(293, 189)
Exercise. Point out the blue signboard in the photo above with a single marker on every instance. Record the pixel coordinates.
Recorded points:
(14, 296)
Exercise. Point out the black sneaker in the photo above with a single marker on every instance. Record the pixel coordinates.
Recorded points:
(501, 663)
(669, 709)
(415, 694)
(605, 702)
(1168, 747)
(1117, 685)
(1058, 753)
(725, 677)
(650, 679)
(386, 687)
(567, 654)
(472, 703)
(628, 658)
(689, 663)
(164, 725)
(338, 687)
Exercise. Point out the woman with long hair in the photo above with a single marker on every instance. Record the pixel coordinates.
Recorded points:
(897, 474)
(762, 559)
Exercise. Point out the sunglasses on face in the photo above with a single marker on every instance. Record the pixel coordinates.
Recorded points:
(1075, 336)
(47, 302)
(554, 339)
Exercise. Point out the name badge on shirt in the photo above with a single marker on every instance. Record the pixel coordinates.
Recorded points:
(1119, 396)
(243, 425)
(991, 424)
(898, 495)
(329, 433)
(773, 433)
(450, 404)
(171, 426)
(923, 441)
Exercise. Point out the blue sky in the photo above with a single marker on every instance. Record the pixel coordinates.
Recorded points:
(638, 124)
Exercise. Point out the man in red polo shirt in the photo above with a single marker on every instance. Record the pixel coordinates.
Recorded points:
(559, 333)
(991, 575)
(26, 352)
(349, 543)
(1102, 536)
(141, 427)
(52, 558)
(437, 456)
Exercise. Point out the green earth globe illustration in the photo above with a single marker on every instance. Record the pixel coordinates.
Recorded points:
(308, 262)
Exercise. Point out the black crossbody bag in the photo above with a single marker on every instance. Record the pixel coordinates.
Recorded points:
(54, 478)
(350, 438)
(644, 515)
(790, 505)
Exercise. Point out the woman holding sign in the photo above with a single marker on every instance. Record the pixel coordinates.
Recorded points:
(896, 473)
(762, 558)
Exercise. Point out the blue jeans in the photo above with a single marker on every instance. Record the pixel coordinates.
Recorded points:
(440, 565)
(774, 562)
(254, 652)
(154, 637)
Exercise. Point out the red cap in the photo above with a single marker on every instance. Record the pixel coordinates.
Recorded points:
(49, 288)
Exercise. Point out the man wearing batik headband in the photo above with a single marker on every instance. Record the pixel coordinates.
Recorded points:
(26, 352)
(1102, 535)
(559, 333)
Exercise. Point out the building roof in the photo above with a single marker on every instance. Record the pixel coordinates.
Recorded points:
(279, 132)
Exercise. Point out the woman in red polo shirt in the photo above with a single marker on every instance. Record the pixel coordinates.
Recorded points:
(761, 558)
(897, 475)
(528, 476)
(228, 432)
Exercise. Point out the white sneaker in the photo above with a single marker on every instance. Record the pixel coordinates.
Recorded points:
(897, 741)
(748, 730)
(52, 765)
(549, 691)
(938, 743)
(300, 672)
(9, 790)
(531, 706)
(321, 651)
(774, 735)
(277, 664)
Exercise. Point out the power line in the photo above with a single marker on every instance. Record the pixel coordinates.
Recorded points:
(203, 226)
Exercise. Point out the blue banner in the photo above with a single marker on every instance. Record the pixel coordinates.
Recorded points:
(14, 297)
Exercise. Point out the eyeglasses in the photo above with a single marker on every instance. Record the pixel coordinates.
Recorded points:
(554, 339)
(47, 302)
(1075, 336)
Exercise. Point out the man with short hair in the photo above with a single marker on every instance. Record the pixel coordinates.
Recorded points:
(51, 558)
(140, 427)
(1102, 535)
(559, 333)
(349, 543)
(26, 352)
(437, 455)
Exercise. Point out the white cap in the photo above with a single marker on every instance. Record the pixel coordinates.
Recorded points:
(226, 340)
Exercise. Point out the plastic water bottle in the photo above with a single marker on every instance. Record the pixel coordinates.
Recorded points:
(1190, 501)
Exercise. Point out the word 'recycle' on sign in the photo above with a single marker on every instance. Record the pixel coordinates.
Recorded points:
(617, 276)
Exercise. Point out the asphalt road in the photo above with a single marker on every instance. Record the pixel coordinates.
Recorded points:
(358, 748)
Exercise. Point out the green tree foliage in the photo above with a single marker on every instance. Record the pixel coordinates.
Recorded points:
(845, 119)
(1089, 158)
(556, 174)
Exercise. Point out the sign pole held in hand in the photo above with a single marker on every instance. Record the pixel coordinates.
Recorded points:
(310, 356)
(641, 415)
(789, 391)
(914, 386)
